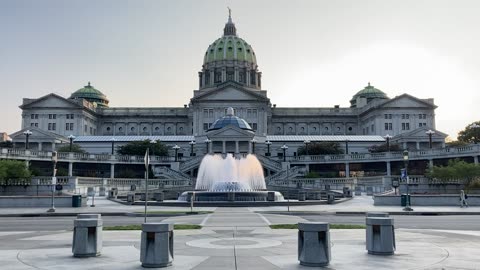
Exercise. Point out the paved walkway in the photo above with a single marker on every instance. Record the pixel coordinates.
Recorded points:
(237, 238)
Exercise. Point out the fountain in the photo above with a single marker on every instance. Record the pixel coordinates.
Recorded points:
(226, 178)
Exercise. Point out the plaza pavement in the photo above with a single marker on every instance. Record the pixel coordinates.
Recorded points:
(239, 238)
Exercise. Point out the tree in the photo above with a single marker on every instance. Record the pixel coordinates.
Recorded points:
(138, 148)
(12, 169)
(471, 133)
(383, 148)
(321, 148)
(75, 149)
(456, 169)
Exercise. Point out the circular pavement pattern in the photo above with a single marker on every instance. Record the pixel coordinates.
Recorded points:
(230, 243)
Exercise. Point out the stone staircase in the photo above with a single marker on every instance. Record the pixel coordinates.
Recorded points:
(269, 163)
(284, 174)
(167, 173)
(190, 164)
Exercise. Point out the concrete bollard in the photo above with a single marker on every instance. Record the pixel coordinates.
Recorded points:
(133, 187)
(301, 196)
(317, 195)
(358, 191)
(87, 237)
(158, 196)
(314, 243)
(156, 245)
(330, 198)
(90, 191)
(369, 191)
(327, 187)
(89, 216)
(131, 198)
(101, 191)
(380, 236)
(347, 192)
(271, 196)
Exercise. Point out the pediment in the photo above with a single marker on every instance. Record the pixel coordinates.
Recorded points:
(407, 101)
(230, 92)
(230, 132)
(50, 101)
(37, 135)
(421, 133)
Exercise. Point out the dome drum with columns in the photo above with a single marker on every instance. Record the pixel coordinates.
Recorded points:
(230, 58)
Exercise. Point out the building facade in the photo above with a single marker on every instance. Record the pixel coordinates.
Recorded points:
(230, 77)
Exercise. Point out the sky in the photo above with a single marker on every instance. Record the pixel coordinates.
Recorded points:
(311, 53)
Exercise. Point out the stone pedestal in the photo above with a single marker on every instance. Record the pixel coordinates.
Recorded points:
(90, 191)
(358, 191)
(87, 237)
(131, 198)
(369, 191)
(158, 196)
(89, 216)
(377, 214)
(327, 187)
(301, 196)
(347, 192)
(112, 194)
(314, 244)
(318, 195)
(156, 245)
(102, 191)
(330, 198)
(133, 187)
(380, 236)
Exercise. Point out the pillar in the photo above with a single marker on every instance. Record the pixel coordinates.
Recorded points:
(27, 164)
(212, 77)
(53, 146)
(237, 148)
(70, 169)
(405, 145)
(39, 146)
(224, 147)
(112, 170)
(210, 147)
(249, 147)
(475, 159)
(430, 163)
(347, 169)
(418, 145)
(389, 169)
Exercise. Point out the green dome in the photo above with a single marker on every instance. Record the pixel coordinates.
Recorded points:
(369, 92)
(230, 48)
(91, 94)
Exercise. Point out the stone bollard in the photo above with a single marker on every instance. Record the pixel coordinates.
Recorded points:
(301, 196)
(327, 187)
(112, 194)
(131, 198)
(358, 191)
(101, 191)
(90, 191)
(89, 216)
(271, 196)
(330, 198)
(158, 196)
(318, 195)
(156, 245)
(369, 191)
(380, 236)
(87, 236)
(133, 187)
(347, 192)
(313, 243)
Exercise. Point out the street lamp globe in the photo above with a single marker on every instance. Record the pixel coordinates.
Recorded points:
(405, 155)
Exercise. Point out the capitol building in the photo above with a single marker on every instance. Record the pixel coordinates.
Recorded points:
(229, 77)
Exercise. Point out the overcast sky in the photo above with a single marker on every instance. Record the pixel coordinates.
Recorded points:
(311, 53)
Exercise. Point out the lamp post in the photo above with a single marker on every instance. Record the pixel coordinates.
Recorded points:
(113, 145)
(176, 147)
(388, 137)
(71, 138)
(268, 143)
(54, 181)
(346, 146)
(306, 142)
(253, 141)
(207, 142)
(27, 134)
(405, 161)
(430, 133)
(284, 148)
(192, 143)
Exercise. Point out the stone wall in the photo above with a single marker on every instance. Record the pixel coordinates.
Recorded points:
(37, 201)
(427, 200)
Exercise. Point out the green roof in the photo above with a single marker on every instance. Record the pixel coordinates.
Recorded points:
(91, 94)
(369, 92)
(230, 48)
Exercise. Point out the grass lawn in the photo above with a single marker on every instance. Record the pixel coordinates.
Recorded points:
(332, 226)
(138, 227)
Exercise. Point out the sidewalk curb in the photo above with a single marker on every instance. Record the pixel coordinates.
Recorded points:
(105, 214)
(363, 213)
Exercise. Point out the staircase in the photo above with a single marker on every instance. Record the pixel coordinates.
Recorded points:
(269, 163)
(190, 164)
(167, 173)
(284, 174)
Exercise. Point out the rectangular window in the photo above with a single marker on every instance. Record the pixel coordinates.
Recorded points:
(403, 126)
(420, 116)
(205, 113)
(32, 124)
(68, 116)
(389, 126)
(32, 116)
(373, 128)
(36, 124)
(254, 112)
(71, 116)
(50, 116)
(420, 124)
(386, 116)
(85, 129)
(254, 126)
(54, 126)
(205, 126)
(407, 125)
(67, 126)
(49, 126)
(403, 116)
(36, 116)
(386, 126)
(91, 130)
(424, 116)
(407, 116)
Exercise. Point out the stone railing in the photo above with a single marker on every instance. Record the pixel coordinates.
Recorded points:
(269, 163)
(168, 173)
(289, 173)
(190, 163)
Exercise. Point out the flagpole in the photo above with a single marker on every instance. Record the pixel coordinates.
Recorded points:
(147, 164)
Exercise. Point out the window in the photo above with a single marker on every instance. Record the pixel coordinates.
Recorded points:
(372, 127)
(91, 130)
(49, 126)
(32, 116)
(36, 124)
(407, 125)
(85, 128)
(69, 116)
(386, 126)
(389, 126)
(407, 116)
(108, 128)
(205, 126)
(119, 129)
(67, 126)
(132, 129)
(52, 116)
(32, 124)
(403, 116)
(254, 126)
(403, 126)
(422, 124)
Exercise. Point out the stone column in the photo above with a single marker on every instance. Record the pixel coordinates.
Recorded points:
(389, 169)
(235, 75)
(404, 145)
(53, 146)
(475, 159)
(112, 170)
(237, 148)
(224, 74)
(248, 77)
(70, 169)
(212, 77)
(347, 169)
(39, 146)
(430, 163)
(418, 145)
(224, 147)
